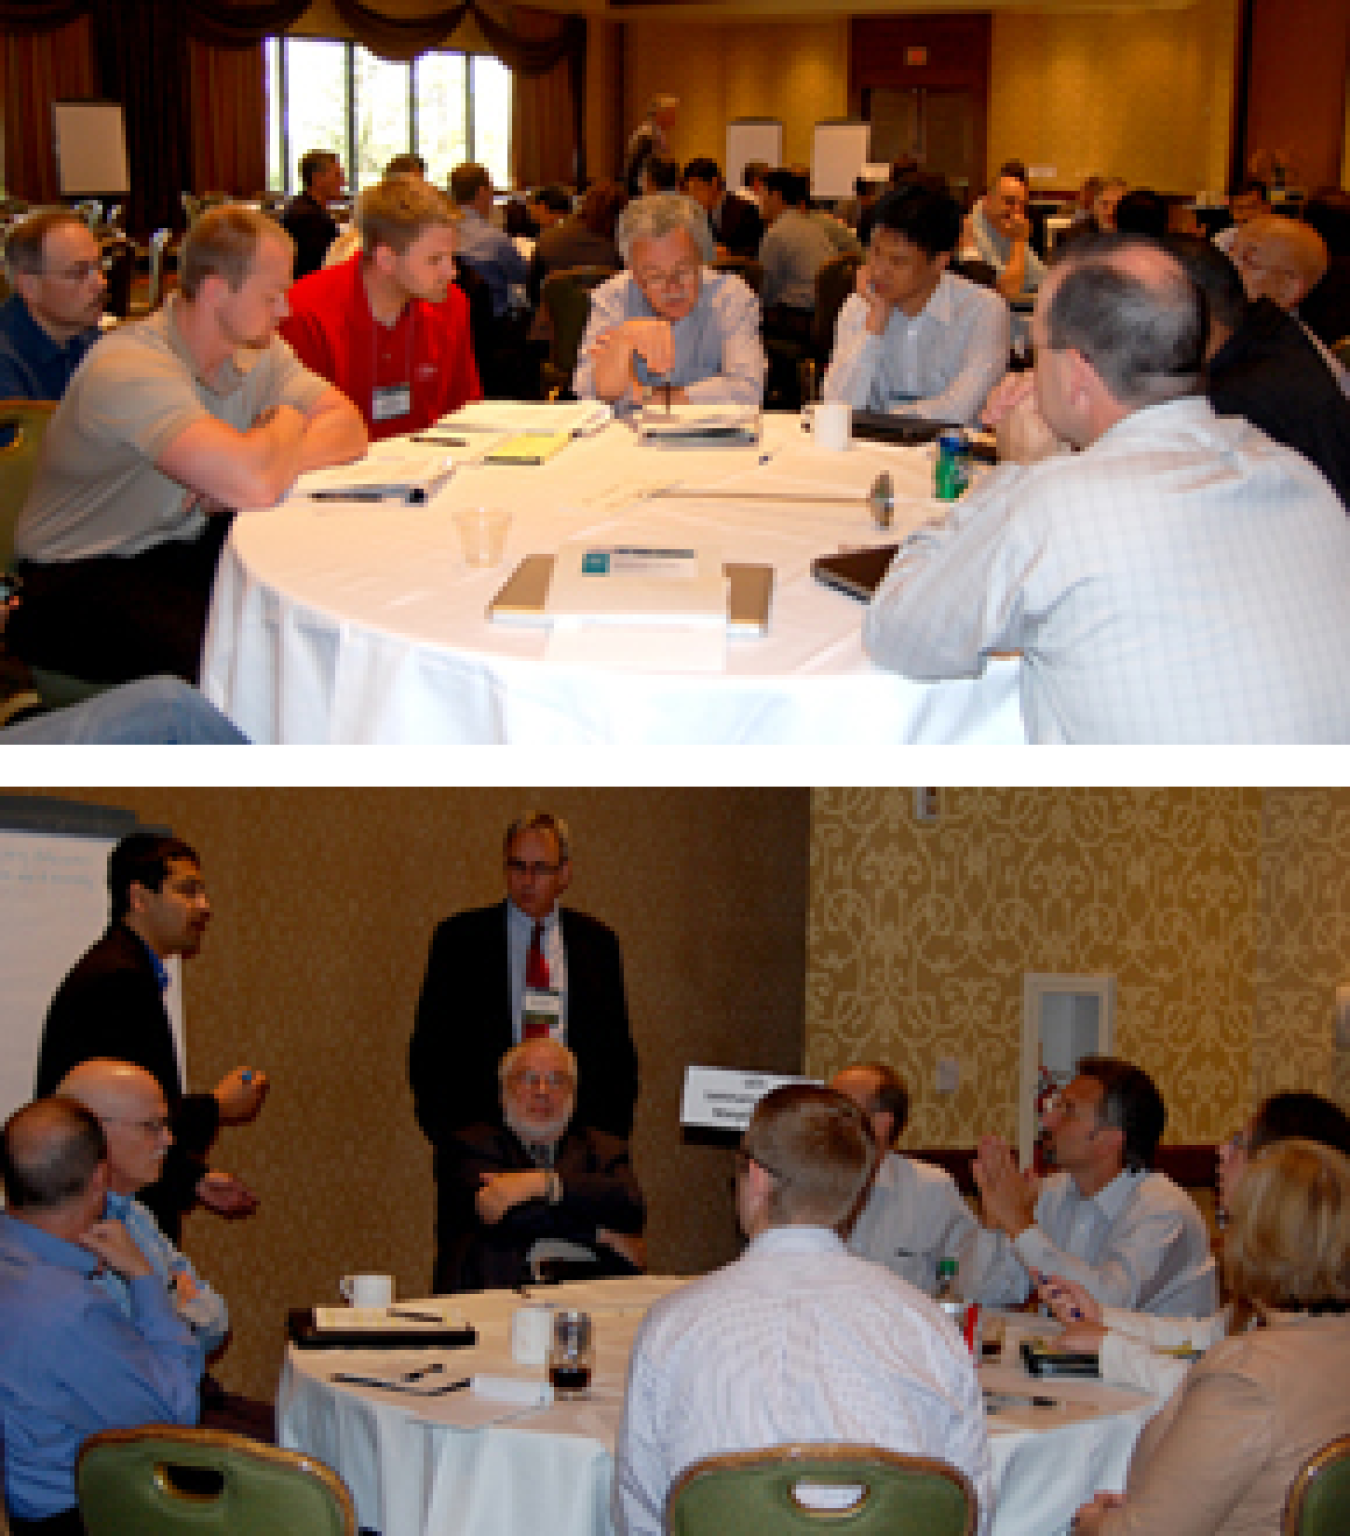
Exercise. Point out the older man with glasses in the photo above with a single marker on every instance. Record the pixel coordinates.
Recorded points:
(50, 320)
(536, 1191)
(670, 330)
(522, 969)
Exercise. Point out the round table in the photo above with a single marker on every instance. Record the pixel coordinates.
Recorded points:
(359, 622)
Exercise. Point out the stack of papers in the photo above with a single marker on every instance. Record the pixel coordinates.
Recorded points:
(637, 584)
(394, 469)
(579, 418)
(698, 425)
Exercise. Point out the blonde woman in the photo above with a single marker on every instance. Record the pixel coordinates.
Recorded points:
(1222, 1454)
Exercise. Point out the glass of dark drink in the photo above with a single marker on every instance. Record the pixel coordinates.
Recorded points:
(571, 1354)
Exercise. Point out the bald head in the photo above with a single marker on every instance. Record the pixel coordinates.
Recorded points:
(1279, 259)
(52, 1152)
(131, 1110)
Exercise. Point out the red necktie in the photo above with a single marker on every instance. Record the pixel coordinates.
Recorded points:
(536, 976)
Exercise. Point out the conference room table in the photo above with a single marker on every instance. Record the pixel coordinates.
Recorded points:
(360, 622)
(463, 1465)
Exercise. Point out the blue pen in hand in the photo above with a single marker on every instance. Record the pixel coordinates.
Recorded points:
(1045, 1280)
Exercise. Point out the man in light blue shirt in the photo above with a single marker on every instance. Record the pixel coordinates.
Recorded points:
(670, 328)
(999, 232)
(72, 1361)
(916, 339)
(490, 252)
(1130, 1237)
(135, 1119)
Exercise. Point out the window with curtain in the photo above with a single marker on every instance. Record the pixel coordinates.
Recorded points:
(326, 94)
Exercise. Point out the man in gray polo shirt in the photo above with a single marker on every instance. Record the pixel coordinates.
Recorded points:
(175, 423)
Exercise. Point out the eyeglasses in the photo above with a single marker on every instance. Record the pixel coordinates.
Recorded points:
(81, 272)
(533, 870)
(554, 1081)
(1239, 1141)
(155, 1126)
(677, 277)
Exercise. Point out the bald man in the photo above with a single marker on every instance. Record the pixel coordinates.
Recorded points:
(1179, 579)
(130, 1107)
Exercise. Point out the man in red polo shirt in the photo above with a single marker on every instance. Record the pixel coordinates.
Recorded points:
(388, 326)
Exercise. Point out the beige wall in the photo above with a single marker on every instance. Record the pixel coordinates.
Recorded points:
(1142, 94)
(1223, 914)
(796, 71)
(324, 905)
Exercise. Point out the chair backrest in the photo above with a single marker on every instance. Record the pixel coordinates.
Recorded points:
(879, 1491)
(834, 282)
(1341, 351)
(566, 295)
(750, 271)
(24, 423)
(1319, 1499)
(159, 1478)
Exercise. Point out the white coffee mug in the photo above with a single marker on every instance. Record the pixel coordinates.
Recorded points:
(367, 1290)
(832, 425)
(531, 1330)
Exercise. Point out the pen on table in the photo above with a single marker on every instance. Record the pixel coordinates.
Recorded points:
(445, 442)
(993, 1401)
(348, 496)
(416, 1317)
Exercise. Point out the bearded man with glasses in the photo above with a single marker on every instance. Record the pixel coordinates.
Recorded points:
(522, 969)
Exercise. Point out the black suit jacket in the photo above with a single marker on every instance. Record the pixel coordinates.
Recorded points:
(598, 1190)
(1269, 372)
(464, 1028)
(110, 1004)
(312, 228)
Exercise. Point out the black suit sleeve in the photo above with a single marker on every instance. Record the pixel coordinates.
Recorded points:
(597, 1026)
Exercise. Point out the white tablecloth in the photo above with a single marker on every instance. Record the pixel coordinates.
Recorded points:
(457, 1466)
(361, 623)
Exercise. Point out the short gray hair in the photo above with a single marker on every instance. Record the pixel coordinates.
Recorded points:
(1144, 335)
(660, 214)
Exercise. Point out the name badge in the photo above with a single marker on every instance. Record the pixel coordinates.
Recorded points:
(390, 400)
(541, 1014)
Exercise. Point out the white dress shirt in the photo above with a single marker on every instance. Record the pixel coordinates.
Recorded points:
(796, 1340)
(1141, 1243)
(940, 365)
(519, 930)
(1183, 579)
(914, 1216)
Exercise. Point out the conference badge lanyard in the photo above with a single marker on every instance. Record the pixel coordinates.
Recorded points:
(388, 402)
(541, 1014)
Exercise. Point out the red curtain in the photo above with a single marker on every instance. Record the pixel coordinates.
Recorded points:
(229, 118)
(37, 68)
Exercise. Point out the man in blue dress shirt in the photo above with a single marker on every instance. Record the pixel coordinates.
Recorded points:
(72, 1362)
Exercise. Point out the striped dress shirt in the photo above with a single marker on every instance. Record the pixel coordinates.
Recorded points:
(796, 1340)
(1183, 579)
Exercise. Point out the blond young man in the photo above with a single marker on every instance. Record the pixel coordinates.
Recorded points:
(388, 326)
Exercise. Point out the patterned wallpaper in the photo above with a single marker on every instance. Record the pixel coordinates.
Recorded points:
(1223, 914)
(324, 903)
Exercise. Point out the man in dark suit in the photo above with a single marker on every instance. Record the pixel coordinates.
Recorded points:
(536, 1189)
(519, 970)
(735, 221)
(307, 219)
(111, 1004)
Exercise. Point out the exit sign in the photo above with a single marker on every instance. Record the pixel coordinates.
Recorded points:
(916, 58)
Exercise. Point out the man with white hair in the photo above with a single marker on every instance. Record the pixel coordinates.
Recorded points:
(670, 327)
(535, 1189)
(1283, 260)
(1181, 579)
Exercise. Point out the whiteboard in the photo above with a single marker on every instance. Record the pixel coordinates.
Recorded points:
(91, 147)
(839, 150)
(752, 138)
(53, 906)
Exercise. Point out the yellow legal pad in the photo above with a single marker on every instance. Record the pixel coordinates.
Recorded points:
(528, 448)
